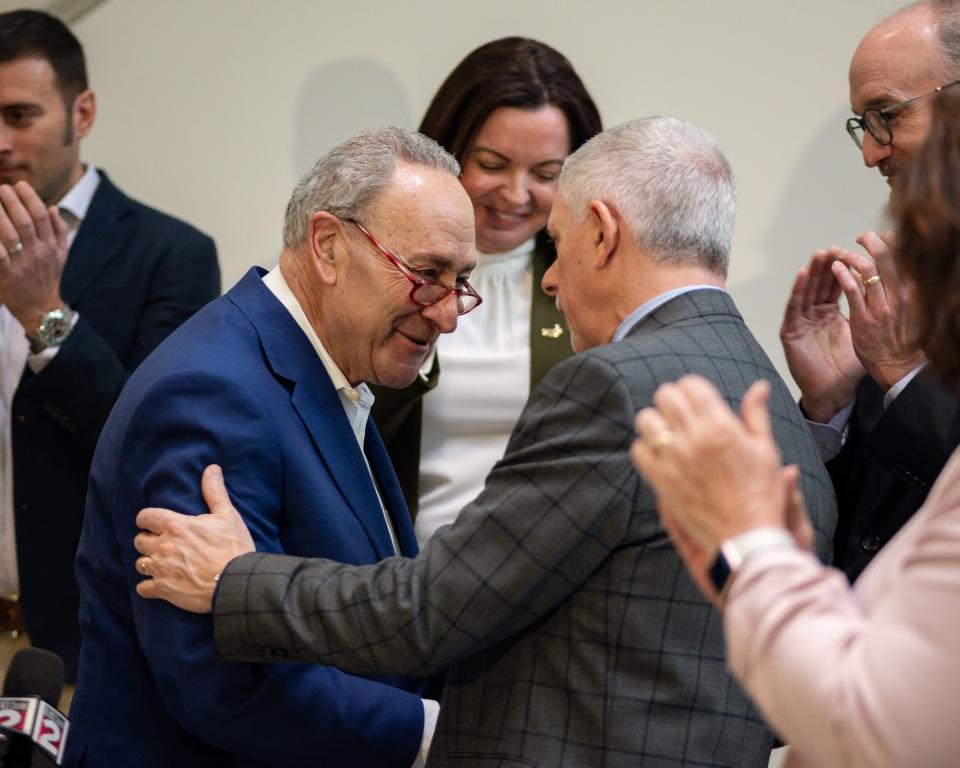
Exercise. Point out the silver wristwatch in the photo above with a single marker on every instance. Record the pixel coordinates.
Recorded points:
(55, 327)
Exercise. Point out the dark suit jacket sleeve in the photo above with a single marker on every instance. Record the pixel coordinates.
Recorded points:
(551, 512)
(80, 385)
(282, 714)
(916, 435)
(889, 462)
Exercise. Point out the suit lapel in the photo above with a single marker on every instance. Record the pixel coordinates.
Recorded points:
(292, 358)
(103, 230)
(390, 491)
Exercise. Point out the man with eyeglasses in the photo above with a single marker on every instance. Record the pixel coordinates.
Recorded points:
(885, 427)
(572, 633)
(270, 381)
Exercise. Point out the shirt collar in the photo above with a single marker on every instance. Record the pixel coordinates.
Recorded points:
(78, 198)
(648, 306)
(361, 395)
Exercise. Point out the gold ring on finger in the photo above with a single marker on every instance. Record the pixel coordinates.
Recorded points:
(661, 440)
(142, 564)
(871, 281)
(14, 249)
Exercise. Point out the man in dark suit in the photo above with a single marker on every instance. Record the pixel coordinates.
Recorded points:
(573, 635)
(269, 382)
(88, 287)
(884, 424)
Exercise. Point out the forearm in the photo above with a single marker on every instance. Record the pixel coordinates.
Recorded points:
(79, 386)
(825, 671)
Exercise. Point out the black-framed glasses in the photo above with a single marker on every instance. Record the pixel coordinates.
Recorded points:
(876, 122)
(423, 292)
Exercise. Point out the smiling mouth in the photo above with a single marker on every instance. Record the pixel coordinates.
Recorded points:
(426, 344)
(507, 216)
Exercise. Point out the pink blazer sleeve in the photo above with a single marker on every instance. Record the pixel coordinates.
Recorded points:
(868, 676)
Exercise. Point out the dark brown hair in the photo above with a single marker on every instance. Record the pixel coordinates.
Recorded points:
(25, 34)
(510, 72)
(926, 209)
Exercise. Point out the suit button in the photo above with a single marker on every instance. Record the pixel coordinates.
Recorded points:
(21, 419)
(871, 543)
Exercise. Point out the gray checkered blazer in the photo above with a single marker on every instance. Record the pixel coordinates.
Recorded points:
(571, 632)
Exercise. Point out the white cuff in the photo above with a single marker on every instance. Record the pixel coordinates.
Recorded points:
(756, 540)
(431, 711)
(831, 436)
(901, 385)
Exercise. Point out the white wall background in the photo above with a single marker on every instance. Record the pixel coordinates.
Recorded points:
(210, 109)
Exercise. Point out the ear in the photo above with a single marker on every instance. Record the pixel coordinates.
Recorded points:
(605, 223)
(84, 112)
(324, 232)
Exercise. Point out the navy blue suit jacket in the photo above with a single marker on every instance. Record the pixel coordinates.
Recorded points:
(133, 274)
(240, 385)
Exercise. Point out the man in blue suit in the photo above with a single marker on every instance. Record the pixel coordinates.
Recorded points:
(88, 287)
(269, 382)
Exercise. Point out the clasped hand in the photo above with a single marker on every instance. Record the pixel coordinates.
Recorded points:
(184, 555)
(827, 353)
(716, 476)
(33, 252)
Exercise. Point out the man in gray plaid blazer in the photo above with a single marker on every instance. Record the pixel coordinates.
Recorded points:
(570, 630)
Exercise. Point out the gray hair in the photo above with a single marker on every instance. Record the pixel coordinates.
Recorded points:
(948, 34)
(669, 181)
(946, 15)
(350, 176)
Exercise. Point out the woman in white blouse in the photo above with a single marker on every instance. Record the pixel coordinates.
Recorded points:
(510, 113)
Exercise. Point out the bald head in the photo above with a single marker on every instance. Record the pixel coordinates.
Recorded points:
(902, 57)
(903, 48)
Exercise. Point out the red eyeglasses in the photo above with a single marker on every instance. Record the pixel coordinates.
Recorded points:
(425, 293)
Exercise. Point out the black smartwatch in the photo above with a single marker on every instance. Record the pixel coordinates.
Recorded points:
(733, 552)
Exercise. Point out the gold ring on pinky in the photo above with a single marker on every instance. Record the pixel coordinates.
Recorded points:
(661, 440)
(871, 281)
(142, 565)
(14, 249)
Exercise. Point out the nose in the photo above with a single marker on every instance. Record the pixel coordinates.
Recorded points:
(874, 152)
(515, 190)
(6, 138)
(443, 314)
(548, 283)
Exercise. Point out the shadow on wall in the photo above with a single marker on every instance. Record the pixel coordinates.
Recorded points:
(829, 199)
(338, 100)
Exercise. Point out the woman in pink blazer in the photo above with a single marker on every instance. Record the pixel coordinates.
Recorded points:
(867, 675)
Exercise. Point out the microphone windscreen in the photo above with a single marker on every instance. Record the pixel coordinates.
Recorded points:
(35, 672)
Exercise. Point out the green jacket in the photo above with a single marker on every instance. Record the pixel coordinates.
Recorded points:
(398, 413)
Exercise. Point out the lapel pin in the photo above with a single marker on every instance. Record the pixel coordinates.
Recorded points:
(552, 333)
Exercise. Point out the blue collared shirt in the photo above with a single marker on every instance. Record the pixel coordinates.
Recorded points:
(648, 306)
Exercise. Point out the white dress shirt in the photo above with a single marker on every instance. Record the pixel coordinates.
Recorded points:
(14, 356)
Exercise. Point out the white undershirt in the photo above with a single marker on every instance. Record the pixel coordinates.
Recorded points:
(484, 383)
(14, 356)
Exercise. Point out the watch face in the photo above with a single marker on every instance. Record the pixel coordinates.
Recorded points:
(55, 327)
(719, 572)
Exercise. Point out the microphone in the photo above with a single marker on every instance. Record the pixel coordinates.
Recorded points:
(34, 731)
